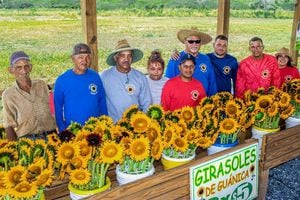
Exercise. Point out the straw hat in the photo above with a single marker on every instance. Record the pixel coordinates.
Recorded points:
(184, 33)
(284, 51)
(123, 45)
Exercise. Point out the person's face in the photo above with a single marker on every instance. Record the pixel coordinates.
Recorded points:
(123, 61)
(282, 60)
(220, 47)
(82, 62)
(187, 70)
(256, 47)
(21, 69)
(192, 45)
(155, 70)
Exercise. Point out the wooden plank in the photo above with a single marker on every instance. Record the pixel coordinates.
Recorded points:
(279, 145)
(89, 25)
(275, 162)
(272, 137)
(296, 20)
(223, 17)
(263, 183)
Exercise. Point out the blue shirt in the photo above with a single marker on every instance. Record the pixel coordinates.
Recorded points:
(77, 97)
(203, 72)
(225, 71)
(124, 90)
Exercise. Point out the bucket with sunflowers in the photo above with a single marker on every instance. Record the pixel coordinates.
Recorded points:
(228, 116)
(140, 135)
(184, 131)
(85, 155)
(26, 168)
(270, 106)
(293, 89)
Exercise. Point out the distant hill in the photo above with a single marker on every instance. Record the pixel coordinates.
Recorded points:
(149, 4)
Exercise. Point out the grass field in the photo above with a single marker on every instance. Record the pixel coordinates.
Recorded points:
(49, 35)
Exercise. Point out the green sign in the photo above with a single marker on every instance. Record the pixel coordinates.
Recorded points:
(233, 176)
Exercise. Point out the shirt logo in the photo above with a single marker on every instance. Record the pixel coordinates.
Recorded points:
(288, 78)
(195, 95)
(226, 70)
(203, 68)
(265, 74)
(130, 89)
(93, 88)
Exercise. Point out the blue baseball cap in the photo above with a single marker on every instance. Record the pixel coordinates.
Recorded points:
(18, 55)
(187, 57)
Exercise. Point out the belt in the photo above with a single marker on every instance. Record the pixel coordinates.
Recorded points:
(43, 135)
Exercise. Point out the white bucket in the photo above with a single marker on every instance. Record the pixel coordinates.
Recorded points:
(124, 178)
(258, 133)
(291, 122)
(215, 148)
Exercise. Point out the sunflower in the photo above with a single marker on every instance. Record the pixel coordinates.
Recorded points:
(53, 140)
(168, 136)
(94, 139)
(153, 131)
(79, 162)
(157, 149)
(125, 142)
(84, 149)
(180, 144)
(23, 190)
(287, 112)
(229, 126)
(155, 112)
(108, 120)
(285, 99)
(130, 111)
(66, 152)
(111, 152)
(140, 122)
(263, 102)
(232, 108)
(297, 98)
(273, 110)
(187, 114)
(2, 183)
(181, 127)
(13, 176)
(80, 177)
(205, 142)
(33, 171)
(7, 157)
(192, 135)
(45, 178)
(206, 100)
(139, 148)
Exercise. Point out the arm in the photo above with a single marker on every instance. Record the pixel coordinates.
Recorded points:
(276, 77)
(102, 99)
(11, 134)
(9, 119)
(58, 105)
(172, 69)
(165, 98)
(212, 86)
(240, 82)
(145, 99)
(234, 74)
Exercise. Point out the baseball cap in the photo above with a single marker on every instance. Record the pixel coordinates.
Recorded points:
(185, 57)
(18, 55)
(81, 48)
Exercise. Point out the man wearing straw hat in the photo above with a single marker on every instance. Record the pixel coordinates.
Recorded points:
(204, 72)
(124, 86)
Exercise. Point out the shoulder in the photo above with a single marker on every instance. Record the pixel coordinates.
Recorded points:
(106, 72)
(9, 91)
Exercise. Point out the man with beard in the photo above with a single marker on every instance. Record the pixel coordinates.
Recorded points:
(193, 39)
(259, 70)
(124, 85)
(78, 92)
(225, 65)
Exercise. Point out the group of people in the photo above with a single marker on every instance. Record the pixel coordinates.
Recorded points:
(81, 92)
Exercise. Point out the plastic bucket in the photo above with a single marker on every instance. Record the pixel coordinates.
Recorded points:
(169, 163)
(217, 147)
(124, 178)
(291, 122)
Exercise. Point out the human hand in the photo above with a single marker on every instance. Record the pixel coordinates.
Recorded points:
(175, 55)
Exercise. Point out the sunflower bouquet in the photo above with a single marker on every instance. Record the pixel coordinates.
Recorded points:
(293, 89)
(86, 153)
(227, 117)
(270, 106)
(140, 135)
(26, 168)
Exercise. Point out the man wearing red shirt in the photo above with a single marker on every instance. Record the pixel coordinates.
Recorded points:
(259, 70)
(183, 90)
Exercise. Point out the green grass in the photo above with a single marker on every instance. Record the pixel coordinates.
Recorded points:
(49, 35)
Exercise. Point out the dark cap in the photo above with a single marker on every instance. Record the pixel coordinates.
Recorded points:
(18, 55)
(81, 48)
(185, 57)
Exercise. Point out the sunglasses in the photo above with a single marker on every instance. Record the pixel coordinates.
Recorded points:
(194, 41)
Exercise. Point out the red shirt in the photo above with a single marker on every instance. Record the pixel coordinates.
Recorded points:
(177, 93)
(288, 73)
(254, 74)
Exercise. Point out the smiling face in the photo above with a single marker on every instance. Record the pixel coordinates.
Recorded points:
(186, 70)
(81, 62)
(220, 47)
(155, 70)
(21, 70)
(282, 60)
(192, 45)
(256, 47)
(123, 61)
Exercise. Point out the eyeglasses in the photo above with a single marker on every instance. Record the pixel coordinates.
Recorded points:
(194, 41)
